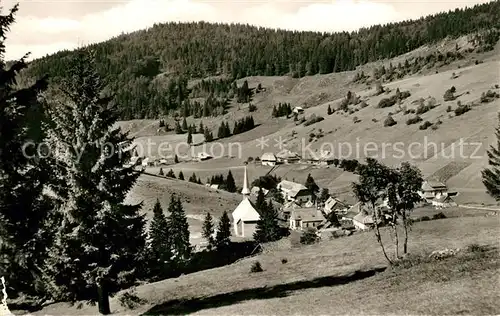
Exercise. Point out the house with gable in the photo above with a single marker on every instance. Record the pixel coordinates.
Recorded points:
(303, 218)
(333, 204)
(296, 192)
(437, 194)
(268, 159)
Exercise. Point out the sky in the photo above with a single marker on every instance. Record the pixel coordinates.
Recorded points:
(45, 26)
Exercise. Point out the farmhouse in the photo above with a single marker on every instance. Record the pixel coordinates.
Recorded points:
(298, 110)
(431, 189)
(437, 194)
(245, 216)
(268, 159)
(363, 221)
(203, 156)
(334, 205)
(287, 157)
(287, 208)
(292, 191)
(306, 217)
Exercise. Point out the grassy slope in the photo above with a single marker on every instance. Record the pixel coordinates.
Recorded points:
(316, 93)
(315, 274)
(461, 174)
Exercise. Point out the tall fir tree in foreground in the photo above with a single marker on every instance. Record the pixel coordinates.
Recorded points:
(100, 242)
(208, 231)
(178, 232)
(267, 226)
(159, 249)
(222, 237)
(491, 176)
(25, 212)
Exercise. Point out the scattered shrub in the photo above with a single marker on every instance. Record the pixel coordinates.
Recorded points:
(363, 104)
(434, 127)
(387, 102)
(356, 119)
(256, 267)
(313, 119)
(389, 121)
(284, 260)
(412, 111)
(489, 96)
(449, 95)
(252, 108)
(497, 86)
(425, 126)
(448, 109)
(425, 218)
(462, 109)
(374, 120)
(250, 159)
(439, 215)
(414, 120)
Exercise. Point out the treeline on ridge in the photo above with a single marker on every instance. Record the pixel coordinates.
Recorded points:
(148, 70)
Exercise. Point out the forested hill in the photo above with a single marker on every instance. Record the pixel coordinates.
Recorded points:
(130, 63)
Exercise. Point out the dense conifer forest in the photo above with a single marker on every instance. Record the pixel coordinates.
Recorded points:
(148, 70)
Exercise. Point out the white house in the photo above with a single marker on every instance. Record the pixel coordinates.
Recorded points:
(245, 216)
(363, 221)
(432, 189)
(287, 157)
(203, 156)
(292, 191)
(334, 205)
(268, 159)
(298, 110)
(146, 162)
(437, 194)
(304, 218)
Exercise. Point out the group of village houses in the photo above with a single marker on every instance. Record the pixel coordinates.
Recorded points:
(299, 212)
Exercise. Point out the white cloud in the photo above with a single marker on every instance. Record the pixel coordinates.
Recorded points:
(49, 34)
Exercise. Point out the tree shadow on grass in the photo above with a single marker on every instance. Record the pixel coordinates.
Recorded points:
(187, 306)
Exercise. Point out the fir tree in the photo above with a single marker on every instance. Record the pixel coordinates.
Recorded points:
(311, 185)
(193, 178)
(189, 138)
(201, 129)
(329, 111)
(100, 241)
(222, 237)
(260, 199)
(267, 226)
(26, 218)
(159, 243)
(229, 184)
(491, 176)
(170, 174)
(208, 231)
(181, 176)
(184, 124)
(160, 173)
(178, 228)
